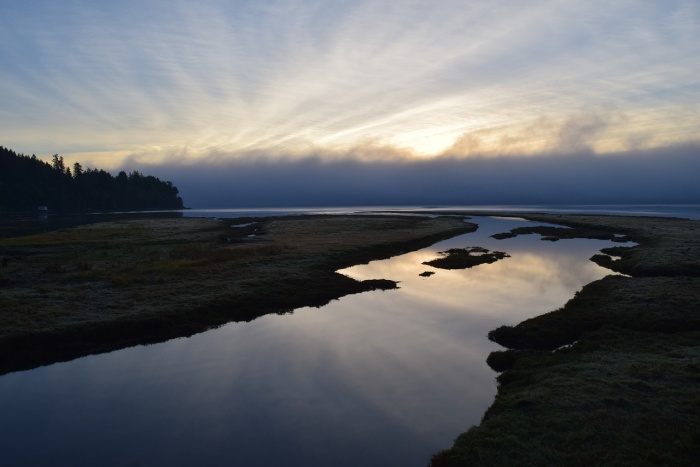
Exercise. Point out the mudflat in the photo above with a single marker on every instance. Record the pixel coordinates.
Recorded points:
(106, 286)
(613, 377)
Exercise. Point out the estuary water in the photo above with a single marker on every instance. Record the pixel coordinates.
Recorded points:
(684, 211)
(25, 223)
(375, 379)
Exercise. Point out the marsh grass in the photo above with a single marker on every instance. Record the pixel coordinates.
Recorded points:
(612, 378)
(105, 286)
(629, 400)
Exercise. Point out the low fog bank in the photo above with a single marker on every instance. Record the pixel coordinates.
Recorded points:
(660, 176)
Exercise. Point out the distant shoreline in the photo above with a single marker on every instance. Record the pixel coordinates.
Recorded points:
(22, 223)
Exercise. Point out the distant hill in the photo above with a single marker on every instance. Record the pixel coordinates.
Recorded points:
(27, 182)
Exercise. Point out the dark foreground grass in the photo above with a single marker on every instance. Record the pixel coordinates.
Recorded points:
(103, 287)
(620, 398)
(613, 377)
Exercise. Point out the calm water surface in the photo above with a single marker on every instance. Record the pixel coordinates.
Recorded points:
(685, 211)
(25, 223)
(375, 379)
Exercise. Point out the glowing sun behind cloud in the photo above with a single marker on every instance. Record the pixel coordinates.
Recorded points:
(173, 82)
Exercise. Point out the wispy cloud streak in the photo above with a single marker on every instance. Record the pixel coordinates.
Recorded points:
(182, 79)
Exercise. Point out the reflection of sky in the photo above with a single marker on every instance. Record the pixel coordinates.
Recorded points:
(177, 80)
(381, 378)
(537, 275)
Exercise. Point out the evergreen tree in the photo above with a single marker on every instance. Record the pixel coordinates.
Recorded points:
(27, 182)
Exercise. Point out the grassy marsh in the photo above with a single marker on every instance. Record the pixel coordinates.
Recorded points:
(105, 286)
(612, 377)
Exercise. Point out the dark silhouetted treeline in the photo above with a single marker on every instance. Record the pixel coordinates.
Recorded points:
(27, 182)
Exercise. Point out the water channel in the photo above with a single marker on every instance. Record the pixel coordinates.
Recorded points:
(374, 379)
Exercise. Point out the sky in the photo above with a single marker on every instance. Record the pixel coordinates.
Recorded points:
(312, 95)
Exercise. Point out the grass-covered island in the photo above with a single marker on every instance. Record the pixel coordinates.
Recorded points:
(464, 258)
(106, 286)
(613, 377)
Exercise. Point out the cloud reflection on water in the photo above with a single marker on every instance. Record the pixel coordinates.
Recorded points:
(380, 378)
(539, 276)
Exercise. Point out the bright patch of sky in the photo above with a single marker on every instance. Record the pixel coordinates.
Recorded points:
(176, 81)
